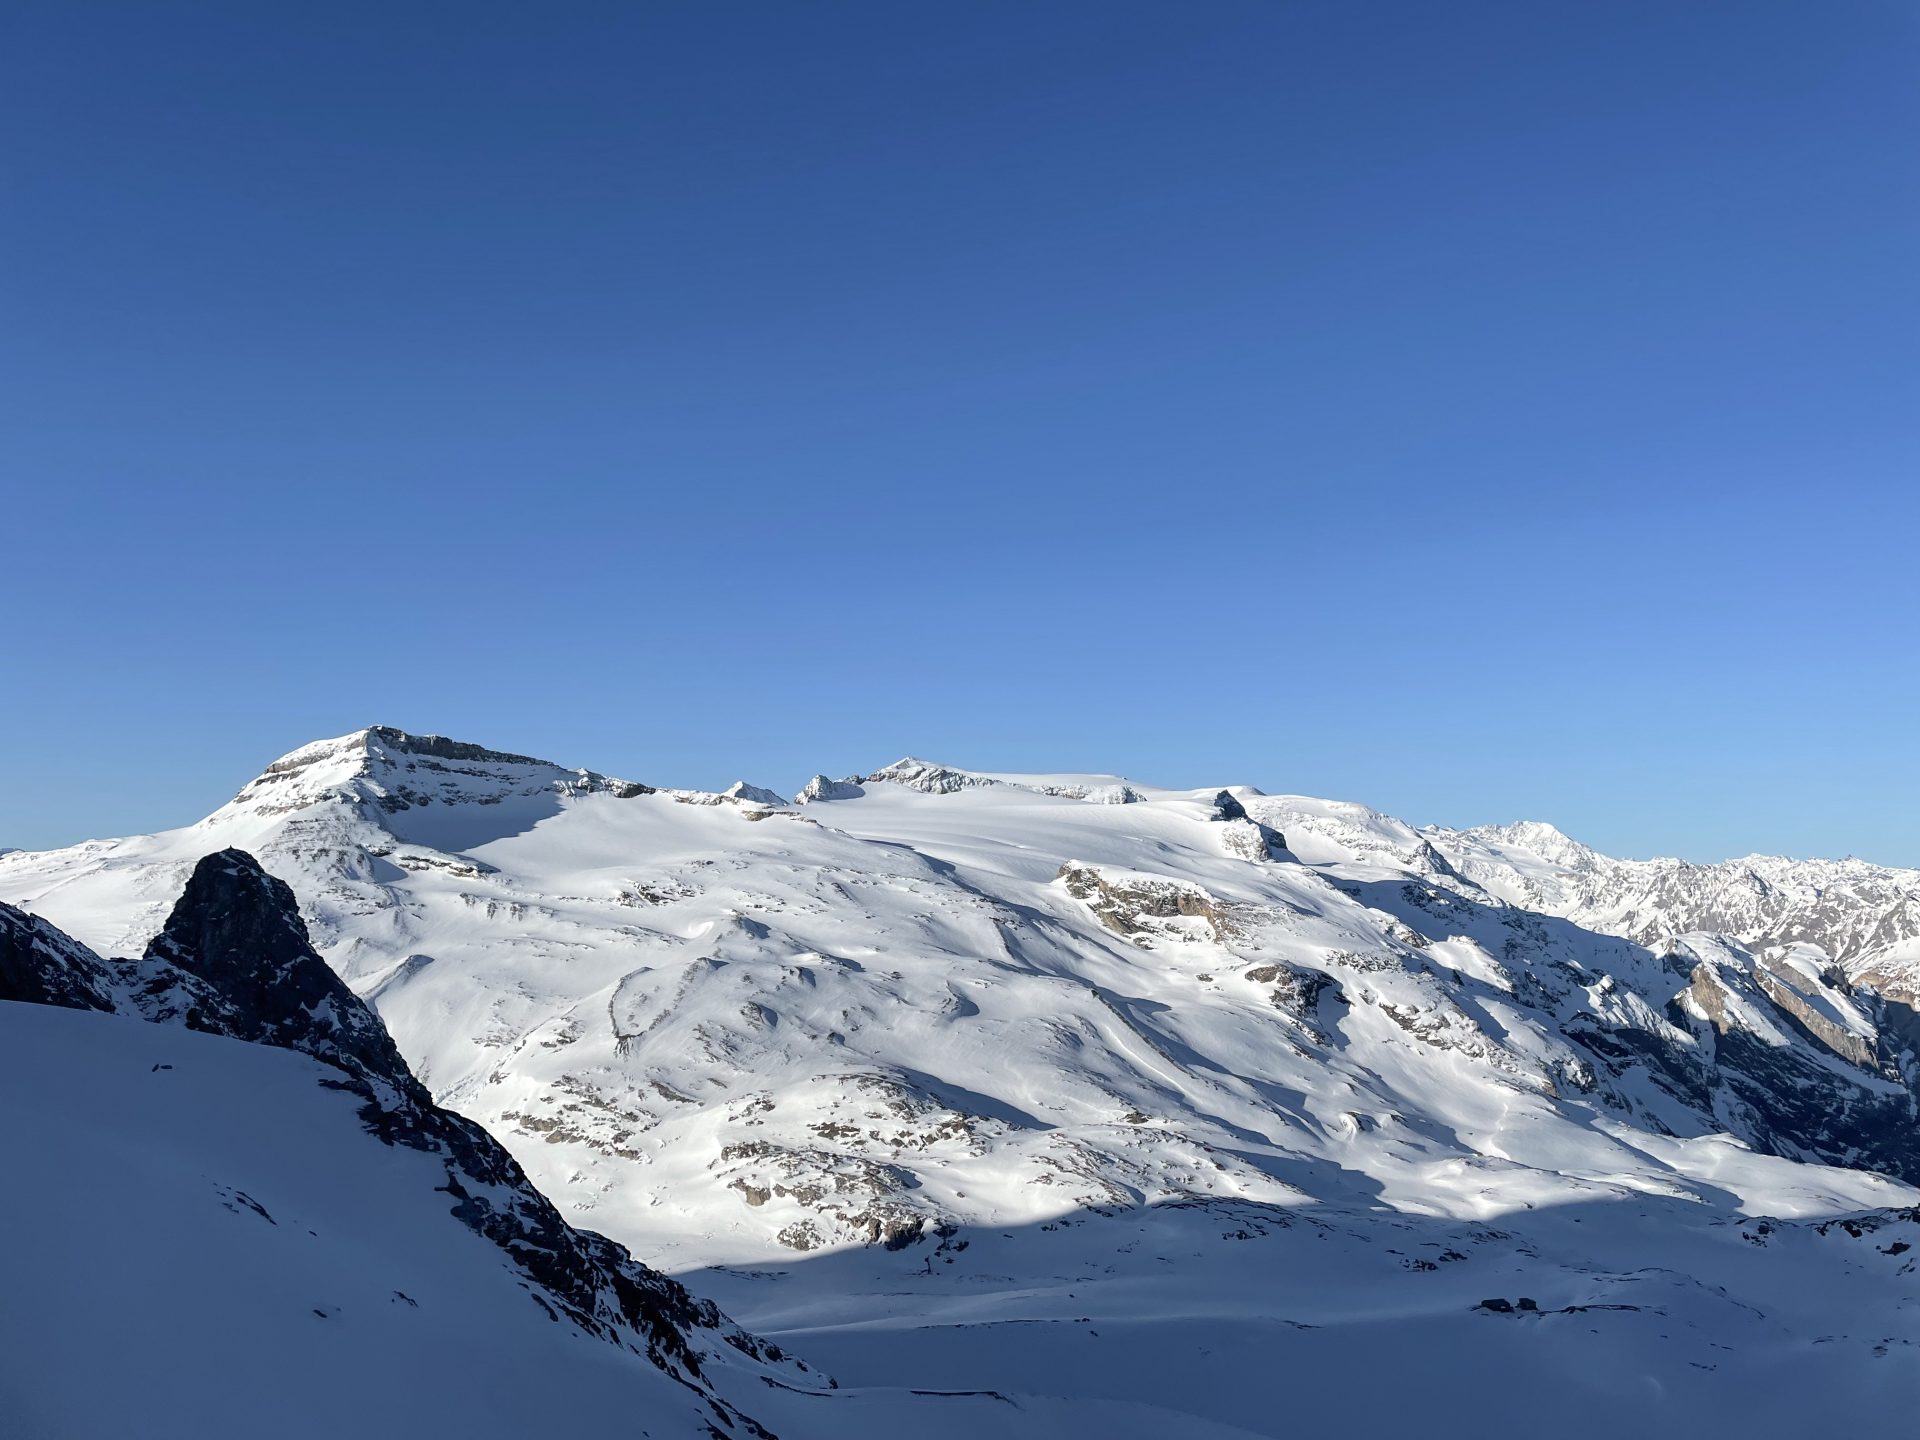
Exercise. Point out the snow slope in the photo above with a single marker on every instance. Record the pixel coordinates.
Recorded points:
(219, 1248)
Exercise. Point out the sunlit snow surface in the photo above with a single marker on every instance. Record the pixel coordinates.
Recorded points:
(1140, 1164)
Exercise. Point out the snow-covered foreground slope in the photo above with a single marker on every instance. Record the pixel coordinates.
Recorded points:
(1080, 1049)
(205, 1242)
(1648, 1317)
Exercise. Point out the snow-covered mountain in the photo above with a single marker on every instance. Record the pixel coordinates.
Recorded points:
(1039, 1047)
(1861, 916)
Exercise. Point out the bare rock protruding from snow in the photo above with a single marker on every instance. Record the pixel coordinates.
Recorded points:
(1144, 906)
(752, 794)
(1299, 991)
(1243, 835)
(1081, 1041)
(821, 788)
(389, 770)
(932, 779)
(41, 966)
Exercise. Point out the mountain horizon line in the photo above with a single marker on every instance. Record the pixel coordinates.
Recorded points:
(436, 743)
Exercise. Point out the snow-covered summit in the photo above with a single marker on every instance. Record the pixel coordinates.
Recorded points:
(1858, 913)
(752, 794)
(390, 770)
(1531, 839)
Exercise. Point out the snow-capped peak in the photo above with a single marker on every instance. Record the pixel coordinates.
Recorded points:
(1536, 837)
(821, 788)
(752, 794)
(390, 770)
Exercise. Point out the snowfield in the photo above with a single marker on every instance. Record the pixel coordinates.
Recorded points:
(208, 1223)
(1150, 1112)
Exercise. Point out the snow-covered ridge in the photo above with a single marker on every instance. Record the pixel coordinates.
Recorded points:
(1858, 913)
(392, 770)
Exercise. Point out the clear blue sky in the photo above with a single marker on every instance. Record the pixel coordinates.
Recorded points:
(1483, 410)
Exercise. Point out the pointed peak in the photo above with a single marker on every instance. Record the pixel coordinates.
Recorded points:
(232, 908)
(821, 788)
(1546, 841)
(752, 794)
(238, 929)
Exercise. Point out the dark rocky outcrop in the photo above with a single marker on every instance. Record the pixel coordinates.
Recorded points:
(1243, 835)
(821, 788)
(238, 930)
(1726, 1047)
(40, 966)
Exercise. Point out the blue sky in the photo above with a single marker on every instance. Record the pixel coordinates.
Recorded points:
(1483, 410)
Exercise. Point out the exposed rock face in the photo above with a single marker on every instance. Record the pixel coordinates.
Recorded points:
(441, 748)
(1251, 840)
(751, 794)
(1115, 794)
(1818, 997)
(1136, 906)
(930, 778)
(41, 966)
(1297, 989)
(391, 771)
(1764, 1073)
(817, 1033)
(1242, 834)
(234, 959)
(1226, 807)
(821, 788)
(238, 930)
(1428, 861)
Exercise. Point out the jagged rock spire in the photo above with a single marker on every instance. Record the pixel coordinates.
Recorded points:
(239, 929)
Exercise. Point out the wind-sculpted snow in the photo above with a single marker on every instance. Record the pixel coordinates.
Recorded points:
(927, 1007)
